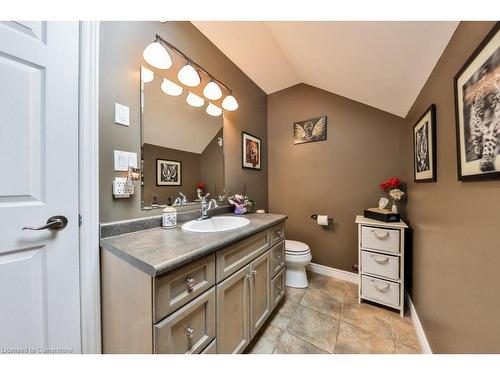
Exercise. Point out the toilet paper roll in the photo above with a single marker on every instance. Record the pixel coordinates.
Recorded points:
(322, 219)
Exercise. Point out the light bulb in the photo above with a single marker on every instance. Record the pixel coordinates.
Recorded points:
(195, 100)
(213, 110)
(170, 88)
(229, 103)
(156, 55)
(147, 75)
(189, 76)
(212, 91)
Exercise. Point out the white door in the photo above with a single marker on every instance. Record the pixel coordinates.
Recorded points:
(39, 269)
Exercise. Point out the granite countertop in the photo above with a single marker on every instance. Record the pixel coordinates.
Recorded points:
(158, 250)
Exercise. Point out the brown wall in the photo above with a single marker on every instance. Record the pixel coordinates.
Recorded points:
(190, 174)
(338, 177)
(211, 162)
(122, 44)
(456, 256)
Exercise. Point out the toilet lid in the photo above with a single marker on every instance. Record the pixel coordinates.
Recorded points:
(293, 247)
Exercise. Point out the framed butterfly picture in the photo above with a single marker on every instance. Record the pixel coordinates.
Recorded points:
(312, 130)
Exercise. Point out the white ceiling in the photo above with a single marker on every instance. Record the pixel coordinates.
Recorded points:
(382, 64)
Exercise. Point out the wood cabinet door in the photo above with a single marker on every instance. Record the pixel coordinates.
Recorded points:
(233, 312)
(260, 291)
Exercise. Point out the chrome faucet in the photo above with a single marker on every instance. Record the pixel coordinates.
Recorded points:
(180, 201)
(206, 205)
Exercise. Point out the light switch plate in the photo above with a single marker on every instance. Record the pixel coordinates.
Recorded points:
(132, 159)
(122, 114)
(121, 161)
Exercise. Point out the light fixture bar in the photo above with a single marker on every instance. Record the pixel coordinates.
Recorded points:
(193, 63)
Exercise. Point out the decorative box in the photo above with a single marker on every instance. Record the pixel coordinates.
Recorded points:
(384, 215)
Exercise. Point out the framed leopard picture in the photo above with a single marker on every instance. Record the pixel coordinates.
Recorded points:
(424, 147)
(477, 112)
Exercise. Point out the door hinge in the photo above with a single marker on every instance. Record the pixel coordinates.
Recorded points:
(80, 219)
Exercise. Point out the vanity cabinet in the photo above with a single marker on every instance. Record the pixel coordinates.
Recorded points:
(213, 304)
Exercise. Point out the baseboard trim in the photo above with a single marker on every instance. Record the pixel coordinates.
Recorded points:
(333, 272)
(422, 338)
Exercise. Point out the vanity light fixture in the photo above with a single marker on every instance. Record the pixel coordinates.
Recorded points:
(189, 76)
(171, 88)
(147, 75)
(212, 91)
(194, 100)
(229, 103)
(213, 110)
(156, 55)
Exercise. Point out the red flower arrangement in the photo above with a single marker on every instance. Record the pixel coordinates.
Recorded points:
(201, 186)
(390, 184)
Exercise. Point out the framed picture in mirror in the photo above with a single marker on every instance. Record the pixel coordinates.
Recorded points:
(168, 172)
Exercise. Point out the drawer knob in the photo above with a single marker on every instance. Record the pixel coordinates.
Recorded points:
(190, 284)
(380, 288)
(381, 235)
(190, 332)
(248, 276)
(380, 260)
(279, 233)
(254, 272)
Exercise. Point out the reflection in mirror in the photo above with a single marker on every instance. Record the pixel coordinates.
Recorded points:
(182, 146)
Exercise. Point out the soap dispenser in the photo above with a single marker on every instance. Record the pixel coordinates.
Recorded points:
(169, 216)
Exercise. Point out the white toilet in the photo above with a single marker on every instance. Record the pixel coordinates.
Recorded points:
(297, 257)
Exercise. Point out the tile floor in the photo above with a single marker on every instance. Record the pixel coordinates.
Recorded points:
(326, 318)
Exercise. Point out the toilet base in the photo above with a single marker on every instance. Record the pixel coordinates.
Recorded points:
(296, 276)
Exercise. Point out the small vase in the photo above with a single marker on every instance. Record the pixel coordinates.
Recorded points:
(240, 209)
(394, 208)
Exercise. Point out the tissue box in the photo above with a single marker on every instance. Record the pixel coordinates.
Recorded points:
(381, 215)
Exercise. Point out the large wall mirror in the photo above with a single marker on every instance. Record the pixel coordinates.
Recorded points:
(182, 147)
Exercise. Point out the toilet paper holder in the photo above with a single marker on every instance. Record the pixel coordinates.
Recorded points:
(315, 217)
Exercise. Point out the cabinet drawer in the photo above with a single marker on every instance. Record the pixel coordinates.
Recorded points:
(277, 233)
(278, 288)
(233, 257)
(189, 329)
(277, 257)
(380, 239)
(211, 348)
(181, 285)
(380, 290)
(380, 264)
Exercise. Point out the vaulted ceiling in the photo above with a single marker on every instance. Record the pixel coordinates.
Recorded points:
(381, 64)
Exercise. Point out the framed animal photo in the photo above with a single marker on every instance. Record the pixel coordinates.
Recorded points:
(477, 112)
(168, 172)
(312, 130)
(251, 151)
(424, 147)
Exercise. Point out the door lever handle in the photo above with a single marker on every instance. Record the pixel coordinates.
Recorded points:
(53, 223)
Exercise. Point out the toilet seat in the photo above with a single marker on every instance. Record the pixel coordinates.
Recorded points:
(296, 248)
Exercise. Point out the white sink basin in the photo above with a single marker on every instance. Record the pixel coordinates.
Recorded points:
(215, 224)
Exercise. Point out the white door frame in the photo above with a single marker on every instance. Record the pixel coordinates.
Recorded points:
(90, 295)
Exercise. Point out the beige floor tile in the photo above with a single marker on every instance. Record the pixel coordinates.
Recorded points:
(295, 294)
(265, 341)
(403, 331)
(290, 344)
(323, 301)
(354, 340)
(314, 327)
(281, 316)
(328, 284)
(372, 318)
(405, 349)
